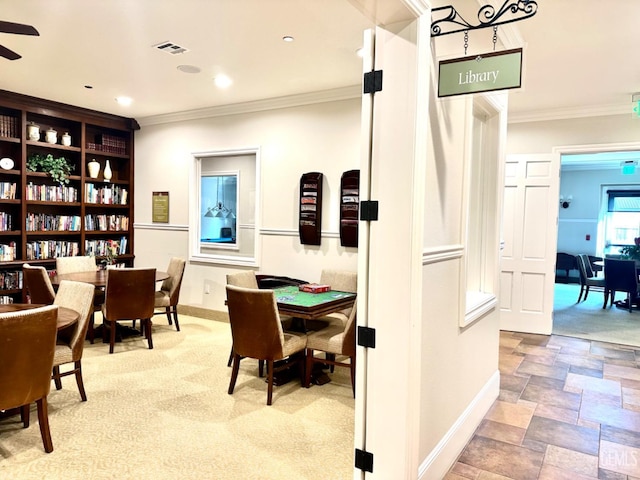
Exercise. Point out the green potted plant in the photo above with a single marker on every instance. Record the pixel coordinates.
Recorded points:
(632, 252)
(59, 168)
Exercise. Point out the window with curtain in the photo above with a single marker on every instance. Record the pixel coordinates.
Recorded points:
(622, 217)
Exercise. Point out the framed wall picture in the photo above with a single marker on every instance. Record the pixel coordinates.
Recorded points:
(160, 207)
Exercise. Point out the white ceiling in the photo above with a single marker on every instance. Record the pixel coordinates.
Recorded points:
(580, 55)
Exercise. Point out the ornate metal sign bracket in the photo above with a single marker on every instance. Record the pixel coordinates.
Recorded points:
(446, 20)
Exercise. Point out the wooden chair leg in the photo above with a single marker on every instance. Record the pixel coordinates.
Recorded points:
(25, 414)
(79, 381)
(91, 333)
(308, 368)
(234, 372)
(175, 317)
(261, 368)
(269, 381)
(112, 337)
(43, 419)
(56, 377)
(167, 310)
(230, 357)
(580, 295)
(353, 375)
(147, 324)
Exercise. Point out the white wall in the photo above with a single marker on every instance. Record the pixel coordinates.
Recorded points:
(581, 218)
(321, 137)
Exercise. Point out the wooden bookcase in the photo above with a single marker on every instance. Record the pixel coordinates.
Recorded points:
(349, 208)
(310, 220)
(41, 219)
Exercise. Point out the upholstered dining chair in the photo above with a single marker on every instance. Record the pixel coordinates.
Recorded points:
(28, 345)
(257, 333)
(620, 276)
(83, 263)
(588, 279)
(334, 340)
(247, 280)
(344, 281)
(77, 296)
(169, 292)
(130, 295)
(38, 284)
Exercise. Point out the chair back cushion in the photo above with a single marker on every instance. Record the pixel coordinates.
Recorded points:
(172, 284)
(77, 296)
(255, 323)
(243, 279)
(341, 280)
(588, 269)
(27, 345)
(38, 284)
(620, 275)
(130, 293)
(75, 264)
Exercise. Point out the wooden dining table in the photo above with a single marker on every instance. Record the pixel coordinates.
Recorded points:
(66, 316)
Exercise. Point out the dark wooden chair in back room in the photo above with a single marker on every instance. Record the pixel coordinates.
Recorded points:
(620, 276)
(588, 279)
(38, 284)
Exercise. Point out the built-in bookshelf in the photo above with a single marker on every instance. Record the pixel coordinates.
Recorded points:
(88, 213)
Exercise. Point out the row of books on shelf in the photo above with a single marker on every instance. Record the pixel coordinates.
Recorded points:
(44, 222)
(51, 193)
(108, 143)
(8, 126)
(6, 222)
(11, 280)
(43, 249)
(102, 248)
(104, 223)
(7, 251)
(108, 195)
(7, 190)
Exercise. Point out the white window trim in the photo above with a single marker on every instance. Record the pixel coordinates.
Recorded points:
(195, 250)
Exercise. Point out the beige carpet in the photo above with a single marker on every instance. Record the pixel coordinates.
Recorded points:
(588, 320)
(165, 414)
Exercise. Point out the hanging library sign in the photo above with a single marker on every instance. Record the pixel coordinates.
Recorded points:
(480, 73)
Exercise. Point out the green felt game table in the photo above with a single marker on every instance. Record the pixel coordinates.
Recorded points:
(291, 301)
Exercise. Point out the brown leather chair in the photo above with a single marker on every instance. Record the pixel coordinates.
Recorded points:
(38, 284)
(169, 292)
(257, 333)
(77, 296)
(333, 340)
(26, 359)
(83, 263)
(130, 295)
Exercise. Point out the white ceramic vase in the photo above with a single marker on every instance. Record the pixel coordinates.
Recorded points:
(94, 168)
(107, 172)
(66, 139)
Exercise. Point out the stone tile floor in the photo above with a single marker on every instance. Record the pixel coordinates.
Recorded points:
(568, 409)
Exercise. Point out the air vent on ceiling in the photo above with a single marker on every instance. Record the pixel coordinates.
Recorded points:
(170, 48)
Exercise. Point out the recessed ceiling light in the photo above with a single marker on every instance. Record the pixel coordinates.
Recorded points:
(222, 81)
(288, 38)
(188, 69)
(124, 101)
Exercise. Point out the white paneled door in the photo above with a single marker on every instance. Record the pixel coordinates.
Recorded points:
(529, 233)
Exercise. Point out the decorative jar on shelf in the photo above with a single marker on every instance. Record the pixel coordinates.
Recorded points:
(33, 131)
(51, 136)
(94, 168)
(66, 139)
(107, 172)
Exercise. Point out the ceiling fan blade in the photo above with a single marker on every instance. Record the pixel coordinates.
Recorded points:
(17, 28)
(9, 54)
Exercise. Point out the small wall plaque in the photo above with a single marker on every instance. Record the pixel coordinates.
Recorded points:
(160, 207)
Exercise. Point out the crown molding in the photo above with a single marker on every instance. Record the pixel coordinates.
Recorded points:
(336, 94)
(568, 112)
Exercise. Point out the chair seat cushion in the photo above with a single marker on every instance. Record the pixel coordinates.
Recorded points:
(162, 299)
(293, 342)
(595, 282)
(328, 339)
(63, 354)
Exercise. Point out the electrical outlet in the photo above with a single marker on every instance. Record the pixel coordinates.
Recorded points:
(207, 289)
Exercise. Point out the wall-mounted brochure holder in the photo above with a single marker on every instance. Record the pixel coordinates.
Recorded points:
(310, 222)
(349, 208)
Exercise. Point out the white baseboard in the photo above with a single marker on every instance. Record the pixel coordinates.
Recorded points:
(445, 453)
